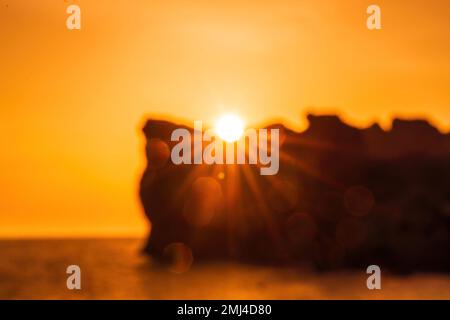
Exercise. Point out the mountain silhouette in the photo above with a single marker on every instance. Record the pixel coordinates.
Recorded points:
(343, 198)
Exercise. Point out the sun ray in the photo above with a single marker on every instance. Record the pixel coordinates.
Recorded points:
(263, 208)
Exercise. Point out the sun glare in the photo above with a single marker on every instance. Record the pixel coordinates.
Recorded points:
(229, 127)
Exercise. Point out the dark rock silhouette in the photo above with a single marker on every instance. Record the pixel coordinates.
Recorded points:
(343, 198)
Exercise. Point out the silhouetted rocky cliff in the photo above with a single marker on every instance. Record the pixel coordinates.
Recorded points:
(343, 197)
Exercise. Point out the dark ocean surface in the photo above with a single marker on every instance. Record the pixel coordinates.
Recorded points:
(115, 269)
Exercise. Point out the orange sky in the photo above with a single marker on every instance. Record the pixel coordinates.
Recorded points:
(72, 102)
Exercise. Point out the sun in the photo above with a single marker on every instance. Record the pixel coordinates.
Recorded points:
(229, 127)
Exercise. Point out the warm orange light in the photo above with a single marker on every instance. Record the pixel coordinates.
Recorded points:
(229, 127)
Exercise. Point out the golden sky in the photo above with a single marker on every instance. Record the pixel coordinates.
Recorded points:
(72, 103)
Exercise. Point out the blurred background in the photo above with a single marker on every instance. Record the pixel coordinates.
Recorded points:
(73, 102)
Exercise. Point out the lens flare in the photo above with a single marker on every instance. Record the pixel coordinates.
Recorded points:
(229, 127)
